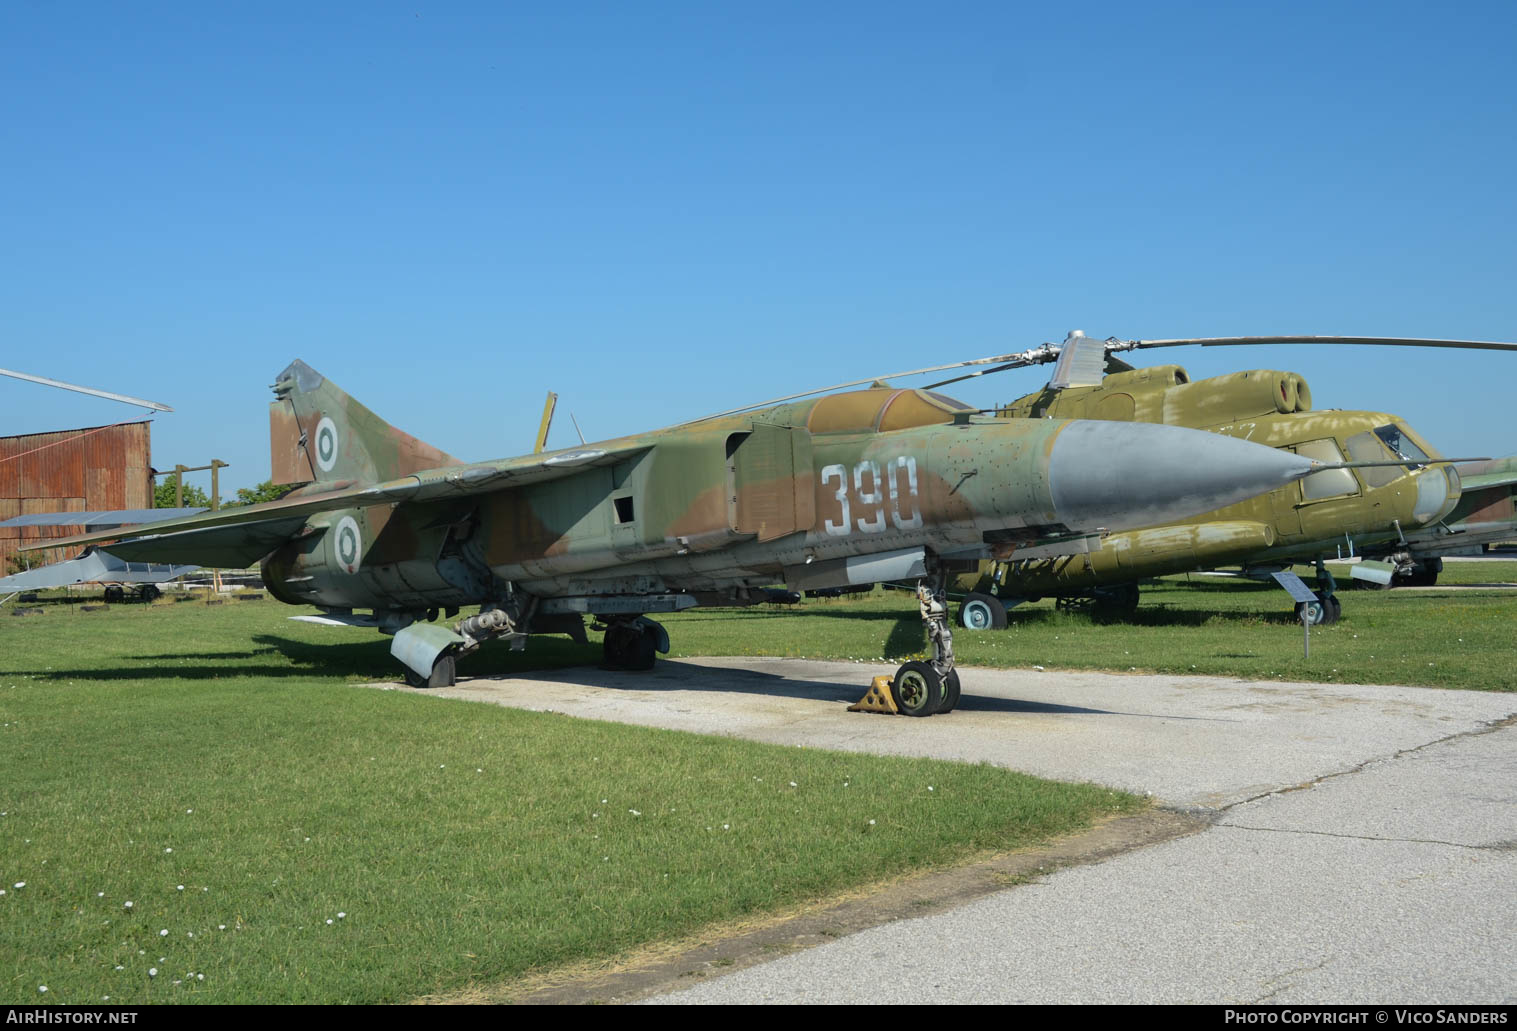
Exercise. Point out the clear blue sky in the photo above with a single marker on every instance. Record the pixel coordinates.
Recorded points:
(660, 210)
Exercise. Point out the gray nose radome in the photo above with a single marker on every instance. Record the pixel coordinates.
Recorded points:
(1125, 475)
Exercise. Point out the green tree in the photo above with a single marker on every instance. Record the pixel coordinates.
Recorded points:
(163, 495)
(268, 490)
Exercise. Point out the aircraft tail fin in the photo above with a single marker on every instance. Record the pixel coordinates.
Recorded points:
(318, 433)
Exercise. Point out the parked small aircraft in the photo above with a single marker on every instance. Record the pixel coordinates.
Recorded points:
(853, 487)
(95, 566)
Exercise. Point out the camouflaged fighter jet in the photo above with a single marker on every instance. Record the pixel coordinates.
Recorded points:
(850, 488)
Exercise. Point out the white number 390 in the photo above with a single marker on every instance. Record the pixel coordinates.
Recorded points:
(868, 489)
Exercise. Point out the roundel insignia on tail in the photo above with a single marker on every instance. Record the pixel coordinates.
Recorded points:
(349, 544)
(326, 444)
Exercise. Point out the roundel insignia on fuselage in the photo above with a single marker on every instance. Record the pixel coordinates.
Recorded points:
(326, 444)
(348, 544)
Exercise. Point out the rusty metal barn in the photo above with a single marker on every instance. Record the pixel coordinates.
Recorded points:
(96, 468)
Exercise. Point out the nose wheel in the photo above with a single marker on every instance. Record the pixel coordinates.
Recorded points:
(926, 688)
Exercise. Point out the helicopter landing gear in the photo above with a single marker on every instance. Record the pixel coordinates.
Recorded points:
(982, 612)
(1423, 573)
(632, 644)
(1324, 612)
(1115, 603)
(925, 688)
(1320, 613)
(1107, 603)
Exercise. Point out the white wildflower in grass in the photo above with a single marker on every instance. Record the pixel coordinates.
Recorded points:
(221, 927)
(100, 894)
(342, 916)
(180, 888)
(792, 784)
(163, 933)
(42, 988)
(152, 971)
(167, 850)
(120, 967)
(871, 823)
(128, 904)
(20, 884)
(329, 921)
(200, 977)
(634, 812)
(929, 787)
(189, 810)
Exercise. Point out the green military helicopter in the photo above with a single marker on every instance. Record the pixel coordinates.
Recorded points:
(854, 487)
(1393, 516)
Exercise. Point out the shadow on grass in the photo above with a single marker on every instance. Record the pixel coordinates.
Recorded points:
(1153, 616)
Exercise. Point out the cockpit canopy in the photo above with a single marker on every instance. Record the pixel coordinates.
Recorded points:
(882, 409)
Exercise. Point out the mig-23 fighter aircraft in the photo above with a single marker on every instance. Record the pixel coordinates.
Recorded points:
(850, 488)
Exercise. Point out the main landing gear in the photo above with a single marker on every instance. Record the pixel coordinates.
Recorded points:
(925, 688)
(444, 673)
(632, 644)
(1328, 608)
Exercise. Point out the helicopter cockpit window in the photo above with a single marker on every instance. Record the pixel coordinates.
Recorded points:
(1397, 440)
(1383, 444)
(1329, 483)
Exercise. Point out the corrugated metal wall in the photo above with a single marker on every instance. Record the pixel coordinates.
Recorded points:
(91, 469)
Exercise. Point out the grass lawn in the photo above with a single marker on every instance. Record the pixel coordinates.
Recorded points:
(198, 808)
(1197, 624)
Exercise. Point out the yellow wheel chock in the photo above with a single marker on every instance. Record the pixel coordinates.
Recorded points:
(877, 699)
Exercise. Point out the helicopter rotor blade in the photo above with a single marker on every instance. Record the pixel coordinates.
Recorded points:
(1483, 345)
(1034, 356)
(1047, 352)
(153, 405)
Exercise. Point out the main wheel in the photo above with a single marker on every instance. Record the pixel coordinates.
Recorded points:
(1423, 573)
(114, 593)
(150, 592)
(1316, 612)
(444, 674)
(917, 689)
(982, 612)
(1335, 606)
(628, 647)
